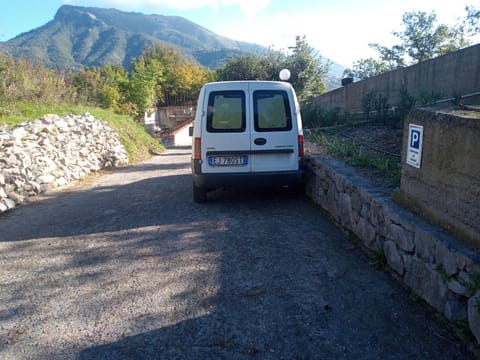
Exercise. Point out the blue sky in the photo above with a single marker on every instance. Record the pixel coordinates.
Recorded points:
(339, 29)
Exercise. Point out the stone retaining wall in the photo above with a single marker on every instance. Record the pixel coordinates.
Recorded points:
(435, 266)
(51, 152)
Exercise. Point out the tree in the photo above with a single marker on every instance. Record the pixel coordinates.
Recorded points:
(26, 80)
(253, 67)
(112, 80)
(159, 75)
(306, 67)
(307, 70)
(365, 68)
(180, 79)
(145, 83)
(87, 84)
(391, 58)
(472, 21)
(421, 39)
(103, 86)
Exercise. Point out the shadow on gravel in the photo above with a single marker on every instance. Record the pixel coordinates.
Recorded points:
(290, 287)
(151, 167)
(208, 337)
(102, 209)
(145, 273)
(102, 206)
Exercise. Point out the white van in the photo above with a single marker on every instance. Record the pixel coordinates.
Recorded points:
(246, 133)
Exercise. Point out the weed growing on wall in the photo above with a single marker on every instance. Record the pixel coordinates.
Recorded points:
(378, 260)
(474, 283)
(464, 332)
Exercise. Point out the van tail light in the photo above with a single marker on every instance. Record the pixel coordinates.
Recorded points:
(301, 148)
(197, 149)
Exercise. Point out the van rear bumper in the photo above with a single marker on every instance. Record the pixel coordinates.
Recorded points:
(257, 179)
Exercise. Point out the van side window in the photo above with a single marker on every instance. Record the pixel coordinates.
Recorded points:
(272, 111)
(226, 111)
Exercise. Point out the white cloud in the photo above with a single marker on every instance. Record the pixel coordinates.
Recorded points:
(337, 38)
(247, 7)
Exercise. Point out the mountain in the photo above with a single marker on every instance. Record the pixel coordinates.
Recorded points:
(88, 36)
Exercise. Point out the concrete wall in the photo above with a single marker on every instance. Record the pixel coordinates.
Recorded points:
(150, 120)
(448, 75)
(446, 187)
(437, 267)
(182, 135)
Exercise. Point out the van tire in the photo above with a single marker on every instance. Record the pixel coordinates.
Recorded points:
(199, 194)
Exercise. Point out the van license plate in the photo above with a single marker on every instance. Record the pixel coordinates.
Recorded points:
(227, 160)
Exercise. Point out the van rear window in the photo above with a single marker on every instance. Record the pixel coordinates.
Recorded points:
(226, 111)
(272, 111)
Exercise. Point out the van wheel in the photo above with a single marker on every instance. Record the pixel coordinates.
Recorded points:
(199, 194)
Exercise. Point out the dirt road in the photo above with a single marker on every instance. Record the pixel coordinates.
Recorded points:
(126, 266)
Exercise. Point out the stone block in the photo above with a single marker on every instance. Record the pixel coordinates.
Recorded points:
(394, 259)
(367, 233)
(377, 218)
(379, 241)
(46, 179)
(16, 197)
(365, 210)
(402, 237)
(339, 182)
(356, 201)
(345, 210)
(355, 217)
(474, 315)
(9, 203)
(458, 288)
(451, 260)
(425, 243)
(455, 310)
(426, 282)
(3, 193)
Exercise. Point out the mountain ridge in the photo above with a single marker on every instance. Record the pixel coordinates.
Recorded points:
(80, 36)
(89, 36)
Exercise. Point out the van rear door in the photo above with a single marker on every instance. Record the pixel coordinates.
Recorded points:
(275, 129)
(225, 130)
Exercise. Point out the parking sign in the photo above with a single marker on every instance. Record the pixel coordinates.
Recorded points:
(415, 138)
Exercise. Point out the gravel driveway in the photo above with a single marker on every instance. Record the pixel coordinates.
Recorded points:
(126, 266)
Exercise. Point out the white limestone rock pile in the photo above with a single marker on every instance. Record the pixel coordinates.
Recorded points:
(53, 151)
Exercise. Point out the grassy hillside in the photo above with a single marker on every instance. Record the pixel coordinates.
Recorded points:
(138, 143)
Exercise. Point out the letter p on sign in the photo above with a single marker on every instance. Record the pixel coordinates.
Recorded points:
(415, 139)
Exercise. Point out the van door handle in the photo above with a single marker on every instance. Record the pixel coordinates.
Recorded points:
(260, 141)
